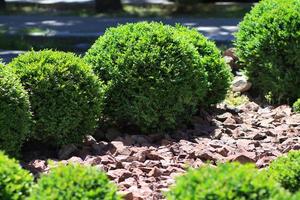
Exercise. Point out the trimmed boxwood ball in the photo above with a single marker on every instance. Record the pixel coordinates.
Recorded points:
(286, 196)
(219, 73)
(296, 106)
(66, 96)
(295, 196)
(286, 170)
(155, 79)
(15, 116)
(267, 44)
(15, 182)
(225, 182)
(74, 182)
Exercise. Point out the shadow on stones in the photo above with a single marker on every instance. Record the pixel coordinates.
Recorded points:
(106, 141)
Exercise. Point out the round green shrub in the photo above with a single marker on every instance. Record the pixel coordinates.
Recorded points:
(225, 182)
(155, 79)
(284, 195)
(286, 170)
(66, 97)
(268, 46)
(219, 73)
(296, 106)
(15, 182)
(295, 196)
(74, 182)
(14, 113)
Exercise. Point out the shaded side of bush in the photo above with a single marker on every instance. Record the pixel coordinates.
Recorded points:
(15, 116)
(219, 73)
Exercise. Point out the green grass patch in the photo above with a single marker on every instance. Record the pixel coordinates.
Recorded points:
(236, 99)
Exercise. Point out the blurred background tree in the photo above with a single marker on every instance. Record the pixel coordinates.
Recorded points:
(186, 6)
(62, 17)
(108, 5)
(2, 4)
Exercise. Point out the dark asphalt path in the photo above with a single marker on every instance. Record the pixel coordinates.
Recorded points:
(220, 30)
(74, 26)
(90, 1)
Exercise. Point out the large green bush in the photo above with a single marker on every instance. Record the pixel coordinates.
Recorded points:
(225, 182)
(286, 170)
(14, 112)
(155, 78)
(268, 45)
(219, 73)
(296, 106)
(74, 182)
(66, 97)
(15, 182)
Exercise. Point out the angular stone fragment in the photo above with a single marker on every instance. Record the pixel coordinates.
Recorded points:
(259, 136)
(155, 172)
(75, 159)
(119, 174)
(241, 84)
(242, 158)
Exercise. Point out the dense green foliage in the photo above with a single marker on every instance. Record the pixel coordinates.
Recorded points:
(74, 182)
(15, 182)
(268, 45)
(66, 97)
(14, 112)
(225, 182)
(286, 170)
(284, 195)
(219, 74)
(155, 79)
(295, 196)
(296, 106)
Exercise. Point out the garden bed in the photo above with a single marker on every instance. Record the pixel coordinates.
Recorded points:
(144, 166)
(149, 102)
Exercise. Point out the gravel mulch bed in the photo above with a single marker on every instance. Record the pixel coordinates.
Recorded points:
(145, 166)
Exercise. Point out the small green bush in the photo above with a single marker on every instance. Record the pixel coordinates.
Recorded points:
(296, 106)
(155, 78)
(225, 182)
(74, 182)
(219, 73)
(295, 196)
(268, 46)
(286, 196)
(236, 99)
(66, 97)
(286, 170)
(14, 112)
(15, 182)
